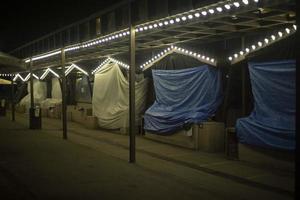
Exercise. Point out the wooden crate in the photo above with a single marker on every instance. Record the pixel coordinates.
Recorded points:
(90, 122)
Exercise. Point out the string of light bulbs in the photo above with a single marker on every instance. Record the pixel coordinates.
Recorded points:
(171, 49)
(175, 19)
(100, 66)
(7, 75)
(48, 70)
(28, 77)
(18, 76)
(241, 55)
(73, 66)
(199, 13)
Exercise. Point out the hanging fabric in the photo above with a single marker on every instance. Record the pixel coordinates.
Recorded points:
(111, 98)
(56, 89)
(39, 93)
(272, 121)
(183, 97)
(83, 93)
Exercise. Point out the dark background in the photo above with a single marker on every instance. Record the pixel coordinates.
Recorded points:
(23, 21)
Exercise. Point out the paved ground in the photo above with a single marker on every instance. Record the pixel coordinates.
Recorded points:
(92, 164)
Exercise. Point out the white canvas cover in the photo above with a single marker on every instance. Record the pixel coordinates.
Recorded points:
(55, 94)
(83, 91)
(111, 97)
(56, 89)
(39, 93)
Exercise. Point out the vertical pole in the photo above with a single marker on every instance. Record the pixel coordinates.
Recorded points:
(243, 83)
(12, 100)
(64, 89)
(31, 85)
(226, 97)
(131, 89)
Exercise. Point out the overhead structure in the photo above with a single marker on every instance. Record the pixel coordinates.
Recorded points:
(4, 82)
(175, 49)
(214, 22)
(74, 66)
(45, 74)
(28, 77)
(267, 41)
(108, 60)
(9, 63)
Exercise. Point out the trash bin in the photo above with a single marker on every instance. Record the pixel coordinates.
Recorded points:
(2, 108)
(231, 144)
(35, 118)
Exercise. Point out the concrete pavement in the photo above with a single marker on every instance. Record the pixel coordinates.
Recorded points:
(92, 164)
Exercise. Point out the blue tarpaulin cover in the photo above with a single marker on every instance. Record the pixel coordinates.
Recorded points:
(272, 121)
(183, 96)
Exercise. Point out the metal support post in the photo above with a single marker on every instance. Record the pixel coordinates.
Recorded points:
(243, 82)
(64, 89)
(31, 86)
(131, 90)
(12, 101)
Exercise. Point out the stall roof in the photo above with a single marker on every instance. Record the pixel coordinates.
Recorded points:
(203, 25)
(10, 63)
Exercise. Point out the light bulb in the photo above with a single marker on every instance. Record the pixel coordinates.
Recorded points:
(183, 18)
(236, 4)
(246, 2)
(190, 16)
(273, 37)
(295, 27)
(266, 41)
(236, 55)
(247, 50)
(204, 13)
(171, 21)
(177, 20)
(227, 6)
(154, 25)
(197, 14)
(211, 11)
(219, 9)
(160, 24)
(230, 58)
(253, 47)
(150, 26)
(287, 30)
(259, 44)
(280, 34)
(242, 53)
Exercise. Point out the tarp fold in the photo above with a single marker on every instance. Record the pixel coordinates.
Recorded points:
(183, 97)
(272, 121)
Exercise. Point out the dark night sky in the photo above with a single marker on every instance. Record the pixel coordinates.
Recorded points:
(23, 21)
